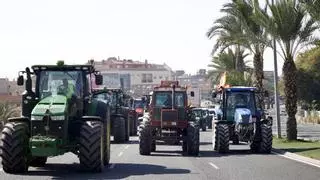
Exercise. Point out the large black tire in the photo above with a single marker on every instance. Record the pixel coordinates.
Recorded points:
(266, 139)
(223, 138)
(145, 140)
(193, 140)
(38, 161)
(127, 129)
(119, 130)
(254, 146)
(14, 147)
(153, 146)
(235, 140)
(92, 146)
(204, 126)
(215, 137)
(133, 126)
(107, 134)
(209, 124)
(184, 145)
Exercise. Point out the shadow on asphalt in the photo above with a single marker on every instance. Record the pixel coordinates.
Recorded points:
(232, 152)
(120, 171)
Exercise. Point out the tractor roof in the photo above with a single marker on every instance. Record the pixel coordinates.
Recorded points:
(240, 88)
(86, 68)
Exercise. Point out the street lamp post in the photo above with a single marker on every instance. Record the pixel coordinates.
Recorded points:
(276, 90)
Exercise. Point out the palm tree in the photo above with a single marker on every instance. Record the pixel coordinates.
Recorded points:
(313, 7)
(291, 28)
(226, 62)
(253, 37)
(227, 29)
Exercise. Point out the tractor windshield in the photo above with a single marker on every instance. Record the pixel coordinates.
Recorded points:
(240, 100)
(59, 82)
(164, 99)
(138, 104)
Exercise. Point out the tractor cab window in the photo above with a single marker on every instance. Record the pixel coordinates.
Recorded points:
(139, 104)
(240, 100)
(60, 82)
(164, 99)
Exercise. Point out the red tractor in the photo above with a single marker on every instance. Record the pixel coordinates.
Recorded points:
(169, 119)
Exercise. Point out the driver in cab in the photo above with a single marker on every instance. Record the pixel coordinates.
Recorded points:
(67, 89)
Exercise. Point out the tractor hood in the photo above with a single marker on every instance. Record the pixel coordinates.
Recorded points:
(243, 116)
(55, 105)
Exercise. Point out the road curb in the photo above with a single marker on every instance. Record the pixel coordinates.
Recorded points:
(296, 157)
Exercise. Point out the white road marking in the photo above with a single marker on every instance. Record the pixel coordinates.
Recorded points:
(296, 159)
(213, 165)
(120, 154)
(112, 166)
(127, 146)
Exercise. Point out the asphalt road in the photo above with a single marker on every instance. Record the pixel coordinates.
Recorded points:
(169, 163)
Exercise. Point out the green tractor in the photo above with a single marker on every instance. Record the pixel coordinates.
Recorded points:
(58, 116)
(121, 118)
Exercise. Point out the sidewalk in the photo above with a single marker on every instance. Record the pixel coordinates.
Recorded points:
(305, 131)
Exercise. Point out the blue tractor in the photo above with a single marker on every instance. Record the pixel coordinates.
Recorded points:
(239, 119)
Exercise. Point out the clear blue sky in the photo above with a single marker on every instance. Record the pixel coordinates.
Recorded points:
(163, 31)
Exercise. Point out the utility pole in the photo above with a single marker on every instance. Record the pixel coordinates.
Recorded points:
(276, 89)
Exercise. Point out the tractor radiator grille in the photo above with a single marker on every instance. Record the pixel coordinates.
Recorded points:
(169, 115)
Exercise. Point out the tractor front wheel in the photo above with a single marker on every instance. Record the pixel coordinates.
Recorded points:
(119, 130)
(193, 140)
(266, 139)
(14, 147)
(145, 140)
(222, 137)
(92, 147)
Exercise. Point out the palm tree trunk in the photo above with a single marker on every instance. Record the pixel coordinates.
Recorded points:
(239, 60)
(289, 76)
(258, 77)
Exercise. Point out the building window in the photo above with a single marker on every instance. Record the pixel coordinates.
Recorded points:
(146, 78)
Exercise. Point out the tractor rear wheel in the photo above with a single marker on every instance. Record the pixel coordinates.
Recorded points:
(38, 161)
(14, 147)
(145, 140)
(133, 126)
(153, 146)
(266, 139)
(204, 126)
(119, 130)
(215, 137)
(193, 140)
(223, 138)
(92, 147)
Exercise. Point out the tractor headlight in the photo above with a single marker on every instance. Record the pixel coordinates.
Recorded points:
(36, 117)
(197, 118)
(57, 118)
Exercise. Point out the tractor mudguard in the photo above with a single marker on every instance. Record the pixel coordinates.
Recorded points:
(268, 121)
(223, 122)
(91, 118)
(20, 119)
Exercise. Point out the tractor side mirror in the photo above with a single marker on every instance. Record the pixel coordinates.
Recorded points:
(20, 80)
(192, 93)
(99, 79)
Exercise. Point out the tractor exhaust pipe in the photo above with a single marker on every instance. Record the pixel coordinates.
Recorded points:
(173, 97)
